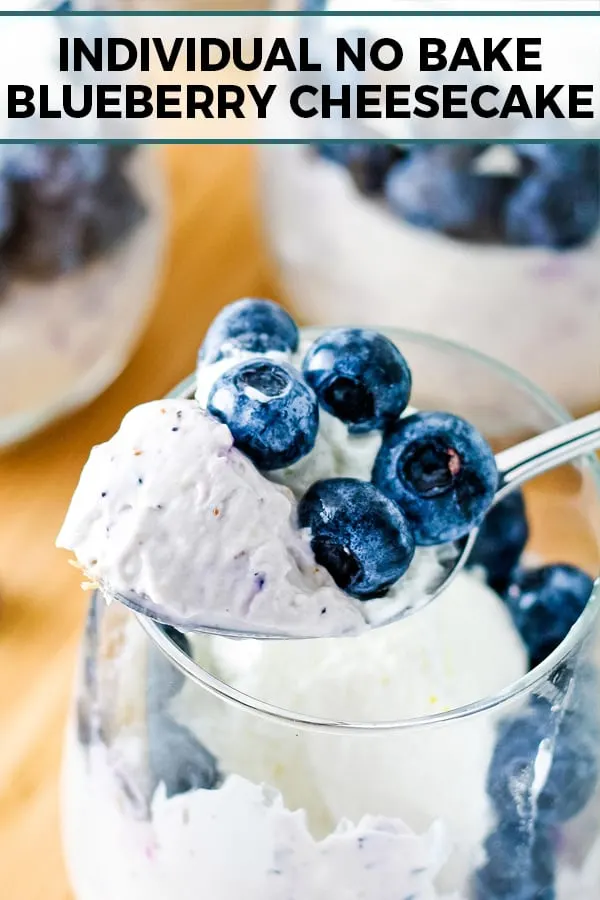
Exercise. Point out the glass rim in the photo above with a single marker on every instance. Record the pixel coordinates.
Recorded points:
(226, 692)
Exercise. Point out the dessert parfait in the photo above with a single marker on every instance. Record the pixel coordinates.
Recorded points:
(494, 245)
(296, 487)
(81, 235)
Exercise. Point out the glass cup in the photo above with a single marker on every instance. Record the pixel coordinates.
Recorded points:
(324, 770)
(82, 234)
(493, 245)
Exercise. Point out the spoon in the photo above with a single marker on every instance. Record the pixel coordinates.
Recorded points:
(516, 465)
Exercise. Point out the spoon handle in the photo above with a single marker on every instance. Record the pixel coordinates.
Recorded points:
(546, 451)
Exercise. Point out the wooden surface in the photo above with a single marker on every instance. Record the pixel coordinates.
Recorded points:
(216, 255)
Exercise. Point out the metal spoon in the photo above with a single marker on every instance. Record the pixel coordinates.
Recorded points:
(516, 465)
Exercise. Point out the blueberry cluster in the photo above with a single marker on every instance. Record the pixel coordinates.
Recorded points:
(544, 604)
(561, 737)
(552, 199)
(434, 477)
(62, 207)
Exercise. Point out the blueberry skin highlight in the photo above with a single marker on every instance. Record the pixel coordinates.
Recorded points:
(501, 540)
(440, 472)
(545, 603)
(272, 414)
(251, 325)
(359, 376)
(357, 534)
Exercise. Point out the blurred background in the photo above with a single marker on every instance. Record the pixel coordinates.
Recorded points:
(113, 261)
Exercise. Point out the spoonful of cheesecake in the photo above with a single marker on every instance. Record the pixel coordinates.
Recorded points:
(296, 494)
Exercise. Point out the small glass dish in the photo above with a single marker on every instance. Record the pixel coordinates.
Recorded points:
(273, 770)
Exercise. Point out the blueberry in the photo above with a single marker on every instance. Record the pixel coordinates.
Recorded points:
(116, 212)
(53, 174)
(520, 864)
(428, 193)
(566, 740)
(558, 202)
(272, 414)
(511, 773)
(357, 534)
(501, 540)
(164, 679)
(359, 376)
(367, 163)
(48, 241)
(256, 326)
(545, 603)
(71, 204)
(178, 759)
(573, 774)
(440, 471)
(561, 159)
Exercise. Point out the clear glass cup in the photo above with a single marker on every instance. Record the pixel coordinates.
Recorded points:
(466, 242)
(82, 234)
(199, 766)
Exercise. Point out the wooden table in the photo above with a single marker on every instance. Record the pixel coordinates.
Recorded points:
(216, 255)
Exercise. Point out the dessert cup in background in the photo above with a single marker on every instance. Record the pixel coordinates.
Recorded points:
(82, 234)
(376, 767)
(80, 259)
(344, 256)
(497, 246)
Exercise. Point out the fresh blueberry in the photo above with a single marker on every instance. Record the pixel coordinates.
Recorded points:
(48, 241)
(55, 174)
(429, 193)
(359, 376)
(501, 540)
(559, 159)
(520, 864)
(256, 326)
(177, 759)
(367, 163)
(357, 534)
(511, 773)
(440, 471)
(545, 603)
(164, 679)
(563, 740)
(573, 775)
(272, 414)
(116, 212)
(557, 204)
(70, 205)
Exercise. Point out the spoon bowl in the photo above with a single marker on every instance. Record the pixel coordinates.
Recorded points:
(516, 465)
